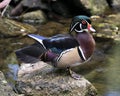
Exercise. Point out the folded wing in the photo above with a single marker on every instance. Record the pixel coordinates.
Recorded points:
(56, 44)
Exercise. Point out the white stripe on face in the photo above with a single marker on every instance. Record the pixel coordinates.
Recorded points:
(74, 26)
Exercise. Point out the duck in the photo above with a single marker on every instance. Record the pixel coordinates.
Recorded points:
(62, 50)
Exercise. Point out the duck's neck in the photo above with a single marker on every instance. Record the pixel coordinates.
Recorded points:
(86, 42)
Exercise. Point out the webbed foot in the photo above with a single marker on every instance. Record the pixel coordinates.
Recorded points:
(74, 75)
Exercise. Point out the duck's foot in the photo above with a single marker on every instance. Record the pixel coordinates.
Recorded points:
(74, 75)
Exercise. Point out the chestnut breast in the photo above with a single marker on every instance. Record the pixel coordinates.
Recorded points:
(86, 42)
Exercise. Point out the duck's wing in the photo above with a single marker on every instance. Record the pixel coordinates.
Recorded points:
(38, 38)
(31, 53)
(57, 44)
(60, 41)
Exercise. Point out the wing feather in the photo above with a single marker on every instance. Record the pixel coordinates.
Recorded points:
(31, 53)
(61, 42)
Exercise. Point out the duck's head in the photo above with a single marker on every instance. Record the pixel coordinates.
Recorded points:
(80, 24)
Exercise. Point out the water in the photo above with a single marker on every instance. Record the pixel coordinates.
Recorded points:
(112, 93)
(113, 77)
(106, 76)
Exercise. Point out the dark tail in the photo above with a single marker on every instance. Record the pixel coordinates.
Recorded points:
(30, 54)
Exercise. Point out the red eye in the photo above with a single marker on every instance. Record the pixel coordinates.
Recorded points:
(83, 22)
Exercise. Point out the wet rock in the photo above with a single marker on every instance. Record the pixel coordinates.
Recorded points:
(5, 89)
(41, 79)
(34, 17)
(9, 28)
(99, 6)
(107, 27)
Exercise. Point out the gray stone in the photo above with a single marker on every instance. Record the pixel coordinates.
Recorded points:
(41, 79)
(5, 89)
(34, 17)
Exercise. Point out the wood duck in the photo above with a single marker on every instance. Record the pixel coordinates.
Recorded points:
(63, 50)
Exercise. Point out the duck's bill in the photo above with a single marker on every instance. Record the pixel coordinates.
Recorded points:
(91, 28)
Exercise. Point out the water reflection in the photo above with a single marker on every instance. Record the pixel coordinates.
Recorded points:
(112, 93)
(106, 77)
(113, 73)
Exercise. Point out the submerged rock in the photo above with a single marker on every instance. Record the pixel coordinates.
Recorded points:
(41, 79)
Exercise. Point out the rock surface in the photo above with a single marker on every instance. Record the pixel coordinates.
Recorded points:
(34, 17)
(41, 79)
(99, 6)
(5, 89)
(9, 28)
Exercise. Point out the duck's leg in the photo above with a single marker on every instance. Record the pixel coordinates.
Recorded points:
(74, 75)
